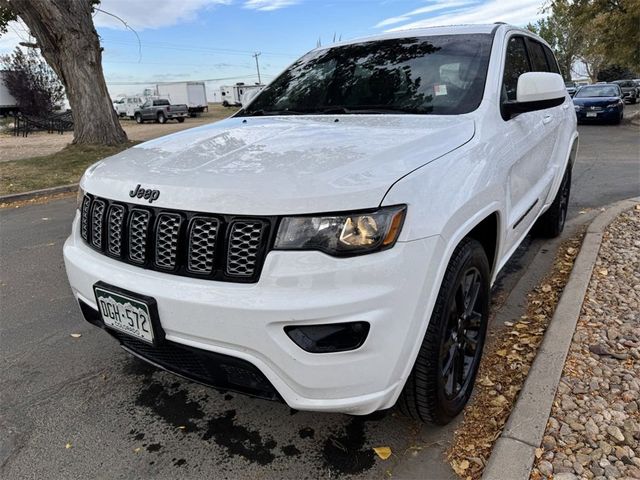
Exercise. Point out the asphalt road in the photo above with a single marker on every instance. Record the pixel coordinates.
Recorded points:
(82, 408)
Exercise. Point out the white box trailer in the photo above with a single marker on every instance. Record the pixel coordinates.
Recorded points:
(8, 104)
(191, 94)
(239, 94)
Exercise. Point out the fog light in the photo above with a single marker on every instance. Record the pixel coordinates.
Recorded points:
(333, 337)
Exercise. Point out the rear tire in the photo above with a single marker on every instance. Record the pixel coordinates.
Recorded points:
(161, 118)
(551, 223)
(442, 378)
(138, 118)
(180, 120)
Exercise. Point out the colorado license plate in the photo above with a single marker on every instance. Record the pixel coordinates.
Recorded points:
(592, 114)
(124, 313)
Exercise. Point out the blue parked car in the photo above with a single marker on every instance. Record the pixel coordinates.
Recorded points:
(600, 102)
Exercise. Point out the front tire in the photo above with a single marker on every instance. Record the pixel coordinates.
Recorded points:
(442, 378)
(138, 118)
(551, 223)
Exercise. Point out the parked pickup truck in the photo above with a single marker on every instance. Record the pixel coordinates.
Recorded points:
(160, 110)
(333, 244)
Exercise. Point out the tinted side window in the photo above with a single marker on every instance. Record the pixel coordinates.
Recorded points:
(516, 64)
(538, 58)
(551, 60)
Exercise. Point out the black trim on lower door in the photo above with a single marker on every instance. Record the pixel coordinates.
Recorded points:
(515, 225)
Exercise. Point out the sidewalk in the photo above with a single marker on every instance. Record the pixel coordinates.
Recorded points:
(594, 427)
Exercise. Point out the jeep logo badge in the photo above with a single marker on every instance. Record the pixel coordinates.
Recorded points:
(145, 193)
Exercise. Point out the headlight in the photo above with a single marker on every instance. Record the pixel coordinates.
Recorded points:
(578, 107)
(613, 105)
(343, 234)
(79, 198)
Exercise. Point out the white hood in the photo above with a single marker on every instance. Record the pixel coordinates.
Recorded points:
(280, 165)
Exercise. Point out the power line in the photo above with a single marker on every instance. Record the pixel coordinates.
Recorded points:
(185, 80)
(191, 48)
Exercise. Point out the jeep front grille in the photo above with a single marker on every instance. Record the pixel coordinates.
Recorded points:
(217, 247)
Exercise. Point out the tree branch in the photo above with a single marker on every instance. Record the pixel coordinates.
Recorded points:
(127, 26)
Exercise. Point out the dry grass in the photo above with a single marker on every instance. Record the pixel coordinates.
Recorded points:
(504, 368)
(65, 165)
(61, 168)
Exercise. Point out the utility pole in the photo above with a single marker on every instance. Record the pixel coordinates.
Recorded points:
(256, 55)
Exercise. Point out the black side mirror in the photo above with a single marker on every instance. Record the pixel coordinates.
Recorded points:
(512, 108)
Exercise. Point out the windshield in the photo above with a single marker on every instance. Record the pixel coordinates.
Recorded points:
(597, 91)
(427, 75)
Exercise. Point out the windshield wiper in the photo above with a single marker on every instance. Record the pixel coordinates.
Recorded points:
(364, 109)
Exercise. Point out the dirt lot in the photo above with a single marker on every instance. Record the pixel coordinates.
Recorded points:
(41, 143)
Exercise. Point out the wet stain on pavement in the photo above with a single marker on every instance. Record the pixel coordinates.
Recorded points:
(290, 450)
(239, 440)
(306, 432)
(343, 450)
(174, 407)
(345, 453)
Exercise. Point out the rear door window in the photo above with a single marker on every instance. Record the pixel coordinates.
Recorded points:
(538, 57)
(551, 60)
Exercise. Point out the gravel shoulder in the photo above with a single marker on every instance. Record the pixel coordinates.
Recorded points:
(594, 427)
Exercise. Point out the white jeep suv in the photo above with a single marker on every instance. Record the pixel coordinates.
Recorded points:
(333, 244)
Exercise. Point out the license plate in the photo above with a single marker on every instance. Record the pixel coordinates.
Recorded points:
(125, 313)
(592, 114)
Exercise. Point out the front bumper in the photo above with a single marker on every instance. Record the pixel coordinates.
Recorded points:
(609, 114)
(391, 290)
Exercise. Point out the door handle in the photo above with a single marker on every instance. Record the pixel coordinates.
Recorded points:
(547, 118)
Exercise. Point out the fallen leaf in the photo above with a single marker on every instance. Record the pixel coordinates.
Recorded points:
(604, 272)
(136, 450)
(502, 353)
(509, 324)
(539, 452)
(182, 427)
(76, 335)
(68, 446)
(484, 381)
(461, 467)
(571, 250)
(546, 288)
(382, 452)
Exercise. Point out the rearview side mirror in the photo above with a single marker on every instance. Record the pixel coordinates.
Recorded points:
(536, 91)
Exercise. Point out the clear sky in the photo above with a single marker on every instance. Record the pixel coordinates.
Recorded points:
(214, 39)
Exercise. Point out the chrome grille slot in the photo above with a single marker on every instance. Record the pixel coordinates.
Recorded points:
(97, 221)
(167, 232)
(138, 229)
(245, 238)
(84, 217)
(202, 244)
(115, 229)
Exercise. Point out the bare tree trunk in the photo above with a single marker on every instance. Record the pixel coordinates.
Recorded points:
(69, 43)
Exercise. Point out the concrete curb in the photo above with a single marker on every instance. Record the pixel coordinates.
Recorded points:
(14, 197)
(514, 452)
